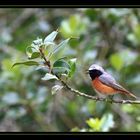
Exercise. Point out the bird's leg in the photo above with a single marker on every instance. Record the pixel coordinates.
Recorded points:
(109, 98)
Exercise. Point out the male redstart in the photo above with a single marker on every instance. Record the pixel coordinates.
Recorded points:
(104, 83)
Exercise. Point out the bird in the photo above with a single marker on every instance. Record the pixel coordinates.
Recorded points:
(104, 83)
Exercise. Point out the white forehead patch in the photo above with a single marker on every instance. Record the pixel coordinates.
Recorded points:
(95, 66)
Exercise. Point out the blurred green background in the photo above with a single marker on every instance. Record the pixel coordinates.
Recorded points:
(109, 37)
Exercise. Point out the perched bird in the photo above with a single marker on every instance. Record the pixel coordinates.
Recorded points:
(104, 83)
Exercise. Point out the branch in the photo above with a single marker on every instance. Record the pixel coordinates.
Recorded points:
(47, 62)
(98, 98)
(84, 94)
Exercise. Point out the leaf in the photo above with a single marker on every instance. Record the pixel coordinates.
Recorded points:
(49, 43)
(49, 76)
(42, 67)
(60, 70)
(35, 55)
(28, 63)
(38, 41)
(56, 88)
(72, 63)
(50, 37)
(61, 66)
(61, 63)
(29, 51)
(94, 124)
(59, 46)
(32, 52)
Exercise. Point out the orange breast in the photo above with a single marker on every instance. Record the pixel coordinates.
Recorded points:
(100, 87)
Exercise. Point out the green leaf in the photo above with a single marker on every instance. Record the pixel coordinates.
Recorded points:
(59, 46)
(35, 55)
(56, 88)
(94, 124)
(49, 76)
(61, 63)
(72, 63)
(50, 38)
(28, 63)
(61, 66)
(60, 70)
(29, 51)
(32, 52)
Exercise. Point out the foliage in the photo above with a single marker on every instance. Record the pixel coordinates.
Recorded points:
(96, 125)
(39, 48)
(109, 37)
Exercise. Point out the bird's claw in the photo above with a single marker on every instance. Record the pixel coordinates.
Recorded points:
(109, 99)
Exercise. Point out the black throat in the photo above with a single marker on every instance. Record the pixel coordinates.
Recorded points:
(95, 73)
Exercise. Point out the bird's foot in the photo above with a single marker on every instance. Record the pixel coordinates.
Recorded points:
(109, 99)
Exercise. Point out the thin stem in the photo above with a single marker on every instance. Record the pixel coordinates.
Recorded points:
(47, 62)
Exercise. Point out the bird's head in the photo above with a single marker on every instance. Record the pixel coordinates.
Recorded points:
(95, 71)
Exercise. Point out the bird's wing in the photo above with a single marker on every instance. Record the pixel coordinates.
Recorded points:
(108, 80)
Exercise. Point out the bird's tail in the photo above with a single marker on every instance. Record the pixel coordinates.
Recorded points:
(130, 94)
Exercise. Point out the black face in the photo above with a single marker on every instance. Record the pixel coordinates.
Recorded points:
(95, 73)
